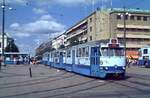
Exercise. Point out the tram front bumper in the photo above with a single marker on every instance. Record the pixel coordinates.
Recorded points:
(113, 69)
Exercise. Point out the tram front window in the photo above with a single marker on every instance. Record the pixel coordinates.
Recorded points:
(112, 51)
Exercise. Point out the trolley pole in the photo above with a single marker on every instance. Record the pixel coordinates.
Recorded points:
(3, 32)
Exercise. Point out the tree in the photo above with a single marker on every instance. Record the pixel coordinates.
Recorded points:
(11, 47)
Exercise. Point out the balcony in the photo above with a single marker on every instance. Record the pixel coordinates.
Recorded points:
(76, 33)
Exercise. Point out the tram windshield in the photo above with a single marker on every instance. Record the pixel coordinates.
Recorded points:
(112, 51)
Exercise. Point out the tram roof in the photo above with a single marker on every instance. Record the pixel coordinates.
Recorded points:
(99, 42)
(147, 46)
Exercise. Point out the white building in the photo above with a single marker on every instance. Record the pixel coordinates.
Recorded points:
(58, 41)
(6, 40)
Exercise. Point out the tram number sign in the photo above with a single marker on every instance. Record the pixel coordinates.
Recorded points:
(113, 45)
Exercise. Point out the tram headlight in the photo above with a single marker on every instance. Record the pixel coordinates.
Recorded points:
(106, 68)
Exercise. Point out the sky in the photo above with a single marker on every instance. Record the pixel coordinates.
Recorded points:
(32, 22)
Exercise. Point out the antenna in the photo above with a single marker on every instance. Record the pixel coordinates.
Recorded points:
(102, 4)
(111, 4)
(93, 5)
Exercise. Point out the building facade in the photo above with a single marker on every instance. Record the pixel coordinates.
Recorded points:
(58, 41)
(6, 41)
(113, 23)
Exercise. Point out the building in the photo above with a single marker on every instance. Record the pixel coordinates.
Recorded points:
(58, 41)
(44, 47)
(109, 23)
(6, 41)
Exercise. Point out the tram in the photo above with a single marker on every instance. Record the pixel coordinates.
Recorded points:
(96, 59)
(144, 56)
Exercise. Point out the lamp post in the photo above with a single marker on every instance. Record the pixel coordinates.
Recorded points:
(124, 15)
(124, 30)
(3, 31)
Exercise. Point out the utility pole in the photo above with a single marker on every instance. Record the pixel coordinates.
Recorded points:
(3, 31)
(124, 21)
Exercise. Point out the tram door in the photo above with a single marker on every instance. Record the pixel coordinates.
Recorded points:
(61, 59)
(95, 61)
(48, 56)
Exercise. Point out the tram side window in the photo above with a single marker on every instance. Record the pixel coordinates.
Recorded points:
(77, 52)
(64, 54)
(52, 55)
(83, 52)
(68, 53)
(87, 51)
(145, 51)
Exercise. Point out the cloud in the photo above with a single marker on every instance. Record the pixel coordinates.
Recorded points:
(66, 2)
(47, 17)
(46, 24)
(16, 2)
(39, 11)
(15, 25)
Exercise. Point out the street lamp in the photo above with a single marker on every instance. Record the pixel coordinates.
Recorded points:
(3, 31)
(124, 15)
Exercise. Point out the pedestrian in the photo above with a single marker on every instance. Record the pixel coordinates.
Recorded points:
(15, 60)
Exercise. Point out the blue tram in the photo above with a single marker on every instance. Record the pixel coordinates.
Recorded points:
(144, 56)
(94, 59)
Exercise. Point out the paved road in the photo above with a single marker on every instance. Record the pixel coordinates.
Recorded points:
(15, 82)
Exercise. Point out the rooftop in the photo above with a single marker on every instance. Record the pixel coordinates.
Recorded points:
(128, 10)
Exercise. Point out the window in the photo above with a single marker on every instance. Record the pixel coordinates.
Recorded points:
(112, 52)
(90, 29)
(64, 54)
(83, 52)
(68, 53)
(90, 37)
(144, 18)
(138, 17)
(145, 51)
(90, 19)
(77, 52)
(131, 17)
(119, 17)
(126, 17)
(87, 51)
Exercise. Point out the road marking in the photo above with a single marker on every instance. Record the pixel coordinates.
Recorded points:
(58, 70)
(100, 81)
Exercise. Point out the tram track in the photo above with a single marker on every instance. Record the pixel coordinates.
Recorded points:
(127, 84)
(139, 76)
(76, 91)
(109, 81)
(49, 90)
(88, 87)
(37, 81)
(80, 90)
